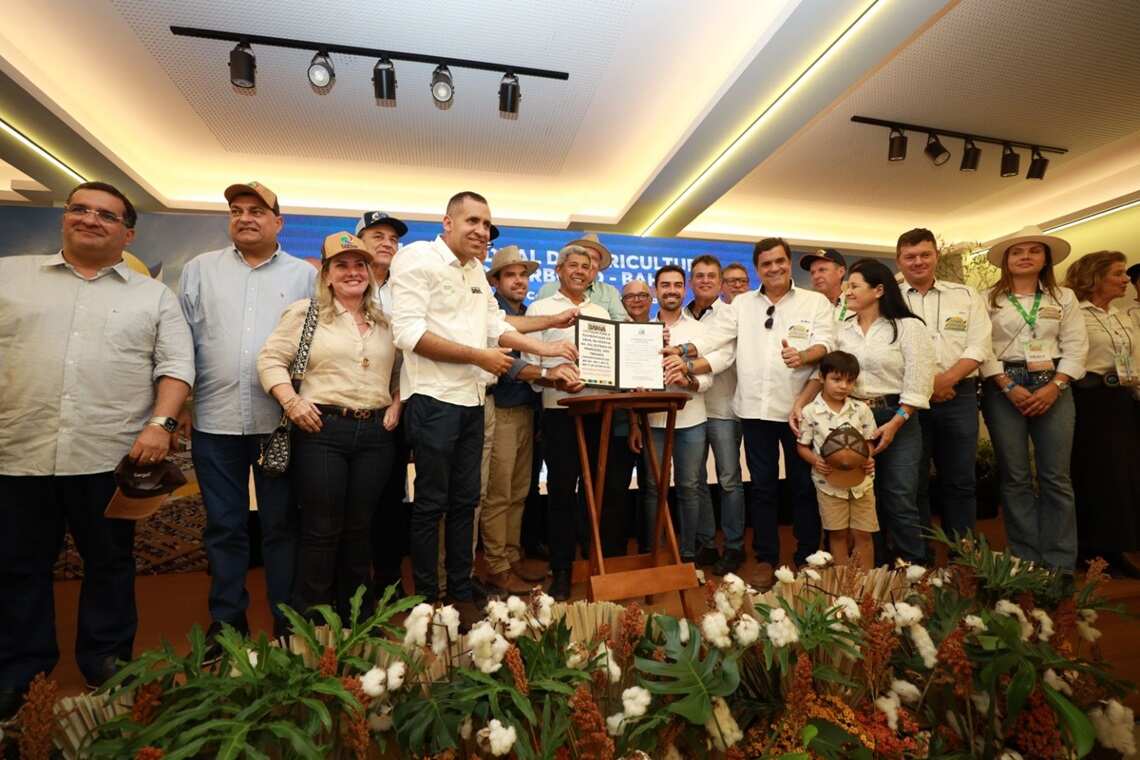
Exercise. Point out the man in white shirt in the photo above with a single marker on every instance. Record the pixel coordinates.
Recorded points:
(723, 428)
(780, 332)
(97, 361)
(959, 325)
(600, 292)
(444, 315)
(559, 379)
(734, 281)
(827, 268)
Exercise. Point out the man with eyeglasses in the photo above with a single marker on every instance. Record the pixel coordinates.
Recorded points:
(734, 281)
(780, 332)
(636, 299)
(233, 298)
(97, 361)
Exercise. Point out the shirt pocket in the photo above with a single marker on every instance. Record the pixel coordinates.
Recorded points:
(130, 332)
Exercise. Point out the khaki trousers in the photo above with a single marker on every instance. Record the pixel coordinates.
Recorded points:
(506, 486)
(484, 469)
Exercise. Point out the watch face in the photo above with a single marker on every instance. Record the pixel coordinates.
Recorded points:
(170, 424)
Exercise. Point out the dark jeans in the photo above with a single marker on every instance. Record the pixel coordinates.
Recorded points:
(448, 443)
(763, 440)
(390, 520)
(221, 464)
(950, 437)
(563, 471)
(35, 512)
(337, 473)
(896, 489)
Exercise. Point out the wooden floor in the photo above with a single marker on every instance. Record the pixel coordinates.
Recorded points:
(170, 604)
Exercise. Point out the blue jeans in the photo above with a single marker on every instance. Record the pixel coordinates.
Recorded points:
(447, 440)
(763, 440)
(1041, 528)
(950, 437)
(724, 438)
(698, 526)
(896, 488)
(221, 463)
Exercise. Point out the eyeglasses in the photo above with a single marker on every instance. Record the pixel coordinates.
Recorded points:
(635, 297)
(768, 322)
(76, 211)
(735, 281)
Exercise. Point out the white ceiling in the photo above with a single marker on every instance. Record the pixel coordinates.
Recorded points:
(1057, 72)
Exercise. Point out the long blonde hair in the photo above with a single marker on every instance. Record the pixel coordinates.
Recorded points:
(326, 306)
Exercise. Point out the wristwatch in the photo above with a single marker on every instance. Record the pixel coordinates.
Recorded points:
(169, 424)
(542, 373)
(1061, 385)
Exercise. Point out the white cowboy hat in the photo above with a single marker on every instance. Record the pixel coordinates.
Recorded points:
(1058, 247)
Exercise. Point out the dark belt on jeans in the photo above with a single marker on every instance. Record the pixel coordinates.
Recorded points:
(1098, 380)
(1019, 372)
(356, 414)
(888, 401)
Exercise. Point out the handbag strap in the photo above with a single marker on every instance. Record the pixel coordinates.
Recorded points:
(301, 362)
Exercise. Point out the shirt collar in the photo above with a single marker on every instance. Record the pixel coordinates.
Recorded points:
(791, 292)
(822, 406)
(706, 310)
(1093, 307)
(122, 269)
(936, 285)
(506, 306)
(267, 262)
(447, 256)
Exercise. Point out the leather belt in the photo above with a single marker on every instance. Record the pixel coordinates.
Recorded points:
(1098, 380)
(356, 414)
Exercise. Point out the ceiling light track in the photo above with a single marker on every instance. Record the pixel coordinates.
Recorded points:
(898, 125)
(364, 52)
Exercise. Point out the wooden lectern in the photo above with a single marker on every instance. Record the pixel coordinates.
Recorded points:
(661, 570)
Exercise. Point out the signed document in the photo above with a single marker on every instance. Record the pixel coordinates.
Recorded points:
(620, 355)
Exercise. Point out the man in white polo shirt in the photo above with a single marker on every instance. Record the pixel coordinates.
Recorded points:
(780, 333)
(959, 324)
(444, 315)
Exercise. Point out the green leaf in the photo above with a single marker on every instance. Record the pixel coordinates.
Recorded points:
(684, 672)
(1081, 730)
(233, 746)
(299, 741)
(1019, 688)
(318, 707)
(830, 741)
(187, 750)
(825, 672)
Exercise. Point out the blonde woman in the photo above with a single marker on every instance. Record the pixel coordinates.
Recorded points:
(1039, 347)
(1107, 483)
(343, 420)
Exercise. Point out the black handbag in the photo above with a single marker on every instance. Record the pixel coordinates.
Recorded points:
(273, 457)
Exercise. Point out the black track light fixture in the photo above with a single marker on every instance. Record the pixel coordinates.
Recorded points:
(1010, 161)
(971, 155)
(935, 150)
(243, 67)
(442, 88)
(321, 72)
(384, 80)
(509, 94)
(1037, 165)
(896, 148)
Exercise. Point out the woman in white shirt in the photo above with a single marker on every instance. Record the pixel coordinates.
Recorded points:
(1107, 485)
(343, 418)
(896, 378)
(1039, 345)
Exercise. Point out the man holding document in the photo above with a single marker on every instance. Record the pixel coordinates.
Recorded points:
(559, 379)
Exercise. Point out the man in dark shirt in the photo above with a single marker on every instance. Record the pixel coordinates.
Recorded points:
(513, 440)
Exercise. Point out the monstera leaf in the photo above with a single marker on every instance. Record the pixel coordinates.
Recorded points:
(685, 673)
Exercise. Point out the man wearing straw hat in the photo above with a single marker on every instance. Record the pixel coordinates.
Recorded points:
(598, 291)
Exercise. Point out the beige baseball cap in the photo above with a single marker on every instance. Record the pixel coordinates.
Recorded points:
(343, 242)
(254, 188)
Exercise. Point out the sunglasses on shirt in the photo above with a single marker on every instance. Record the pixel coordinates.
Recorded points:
(768, 322)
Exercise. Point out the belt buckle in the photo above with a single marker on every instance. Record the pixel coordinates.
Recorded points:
(1111, 379)
(361, 414)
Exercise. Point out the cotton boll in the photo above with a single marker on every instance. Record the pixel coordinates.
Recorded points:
(1057, 683)
(981, 700)
(373, 681)
(925, 645)
(487, 647)
(502, 738)
(683, 631)
(517, 607)
(515, 627)
(848, 608)
(417, 626)
(465, 728)
(615, 724)
(609, 661)
(722, 727)
(380, 722)
(723, 604)
(819, 559)
(888, 704)
(746, 630)
(1114, 725)
(396, 672)
(1045, 622)
(578, 656)
(781, 630)
(714, 626)
(901, 614)
(785, 575)
(1085, 628)
(907, 692)
(545, 605)
(975, 623)
(445, 629)
(635, 701)
(915, 572)
(812, 574)
(497, 611)
(1007, 608)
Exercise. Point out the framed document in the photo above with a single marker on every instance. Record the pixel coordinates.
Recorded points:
(620, 355)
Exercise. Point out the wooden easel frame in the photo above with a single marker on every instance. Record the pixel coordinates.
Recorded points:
(630, 576)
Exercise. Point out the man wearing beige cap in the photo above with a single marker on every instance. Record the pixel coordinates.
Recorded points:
(232, 299)
(599, 291)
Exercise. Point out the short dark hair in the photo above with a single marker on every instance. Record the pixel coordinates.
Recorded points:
(130, 216)
(668, 268)
(768, 244)
(914, 237)
(841, 363)
(464, 195)
(708, 259)
(735, 265)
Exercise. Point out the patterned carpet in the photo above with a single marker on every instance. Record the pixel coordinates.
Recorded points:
(169, 541)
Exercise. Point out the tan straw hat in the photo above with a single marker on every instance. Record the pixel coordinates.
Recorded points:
(590, 240)
(508, 255)
(1058, 247)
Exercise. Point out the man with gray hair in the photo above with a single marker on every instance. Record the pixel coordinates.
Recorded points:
(637, 299)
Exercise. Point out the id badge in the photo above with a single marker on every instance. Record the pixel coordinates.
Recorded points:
(799, 335)
(1126, 369)
(1038, 357)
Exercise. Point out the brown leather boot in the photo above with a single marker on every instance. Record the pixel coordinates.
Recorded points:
(507, 582)
(764, 577)
(532, 570)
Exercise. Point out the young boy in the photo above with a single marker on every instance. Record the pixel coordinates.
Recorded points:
(846, 498)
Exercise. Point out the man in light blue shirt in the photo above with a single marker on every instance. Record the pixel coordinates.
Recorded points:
(233, 298)
(598, 291)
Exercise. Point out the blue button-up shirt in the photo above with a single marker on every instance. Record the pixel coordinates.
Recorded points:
(232, 308)
(509, 390)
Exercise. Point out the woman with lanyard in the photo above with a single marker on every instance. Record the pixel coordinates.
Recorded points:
(896, 377)
(1039, 343)
(1107, 484)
